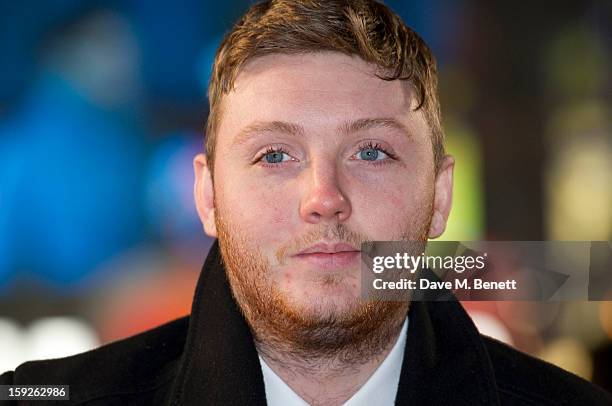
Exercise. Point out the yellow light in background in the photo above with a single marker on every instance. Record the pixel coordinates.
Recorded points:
(569, 354)
(605, 317)
(466, 221)
(580, 320)
(579, 176)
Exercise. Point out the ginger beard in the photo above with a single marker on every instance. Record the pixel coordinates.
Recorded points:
(350, 331)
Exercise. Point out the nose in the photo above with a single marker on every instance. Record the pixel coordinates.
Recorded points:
(324, 200)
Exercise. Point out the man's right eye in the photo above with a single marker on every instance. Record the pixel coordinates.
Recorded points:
(274, 156)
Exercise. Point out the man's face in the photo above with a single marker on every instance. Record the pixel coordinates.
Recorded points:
(315, 154)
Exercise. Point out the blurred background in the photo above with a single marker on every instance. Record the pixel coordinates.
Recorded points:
(103, 105)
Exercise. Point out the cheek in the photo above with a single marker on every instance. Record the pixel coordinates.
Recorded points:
(262, 213)
(412, 197)
(272, 203)
(393, 204)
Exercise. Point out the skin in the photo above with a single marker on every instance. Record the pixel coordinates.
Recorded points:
(324, 190)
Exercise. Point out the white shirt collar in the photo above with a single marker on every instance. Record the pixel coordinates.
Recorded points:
(379, 389)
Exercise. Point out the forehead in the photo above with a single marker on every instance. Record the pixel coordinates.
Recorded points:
(317, 91)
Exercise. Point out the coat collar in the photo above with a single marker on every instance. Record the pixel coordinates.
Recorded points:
(445, 360)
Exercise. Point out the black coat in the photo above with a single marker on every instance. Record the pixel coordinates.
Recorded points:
(209, 358)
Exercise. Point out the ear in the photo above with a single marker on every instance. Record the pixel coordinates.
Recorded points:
(443, 197)
(203, 192)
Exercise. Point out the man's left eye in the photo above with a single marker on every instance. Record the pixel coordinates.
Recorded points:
(276, 156)
(371, 154)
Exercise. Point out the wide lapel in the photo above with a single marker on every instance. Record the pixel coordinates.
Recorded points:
(445, 361)
(219, 365)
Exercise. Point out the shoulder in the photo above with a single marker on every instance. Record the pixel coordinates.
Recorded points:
(130, 366)
(523, 379)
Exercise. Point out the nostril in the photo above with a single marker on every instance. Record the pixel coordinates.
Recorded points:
(315, 217)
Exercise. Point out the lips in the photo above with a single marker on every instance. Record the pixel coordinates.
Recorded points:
(329, 256)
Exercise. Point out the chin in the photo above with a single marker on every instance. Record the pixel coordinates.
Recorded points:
(324, 297)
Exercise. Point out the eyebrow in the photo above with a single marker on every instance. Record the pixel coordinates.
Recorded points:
(297, 130)
(267, 127)
(370, 123)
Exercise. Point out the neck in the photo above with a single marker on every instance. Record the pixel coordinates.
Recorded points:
(321, 379)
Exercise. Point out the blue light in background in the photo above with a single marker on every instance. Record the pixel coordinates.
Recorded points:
(73, 184)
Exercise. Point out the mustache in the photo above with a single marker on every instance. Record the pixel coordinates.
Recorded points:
(337, 233)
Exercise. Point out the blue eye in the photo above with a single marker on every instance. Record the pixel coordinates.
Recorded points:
(369, 154)
(372, 153)
(274, 157)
